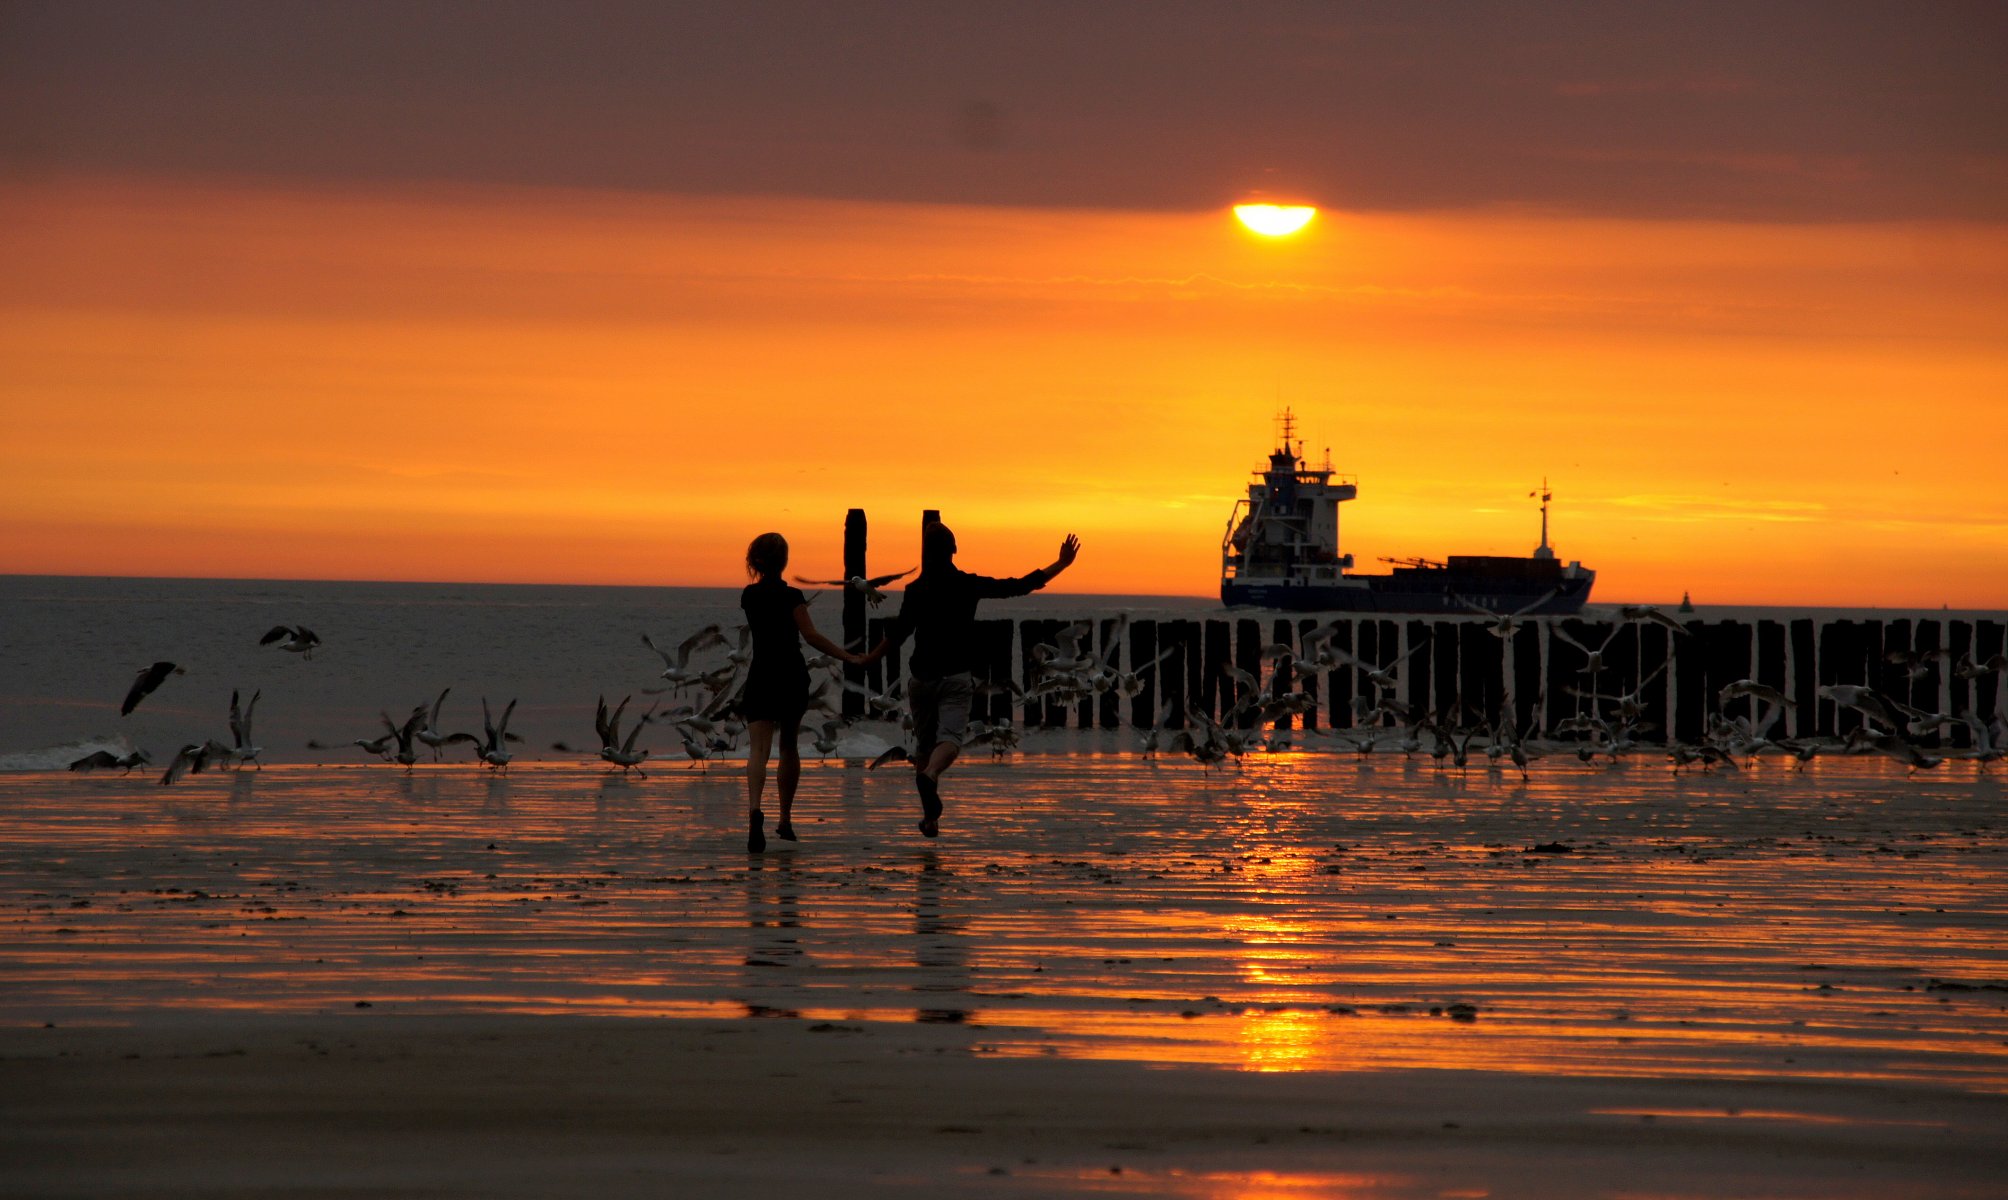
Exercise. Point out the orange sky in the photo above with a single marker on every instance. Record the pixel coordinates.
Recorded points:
(482, 383)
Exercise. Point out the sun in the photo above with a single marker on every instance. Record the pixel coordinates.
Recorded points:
(1275, 220)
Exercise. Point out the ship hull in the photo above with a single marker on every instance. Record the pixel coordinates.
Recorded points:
(1431, 591)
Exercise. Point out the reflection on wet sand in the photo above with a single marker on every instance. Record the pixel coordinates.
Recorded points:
(1306, 913)
(940, 950)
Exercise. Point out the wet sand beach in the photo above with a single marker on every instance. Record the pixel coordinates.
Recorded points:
(1313, 976)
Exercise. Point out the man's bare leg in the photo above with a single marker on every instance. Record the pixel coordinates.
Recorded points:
(926, 777)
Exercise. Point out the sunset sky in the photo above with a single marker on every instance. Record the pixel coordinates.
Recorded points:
(595, 293)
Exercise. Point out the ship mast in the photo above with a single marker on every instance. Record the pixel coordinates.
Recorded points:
(1543, 550)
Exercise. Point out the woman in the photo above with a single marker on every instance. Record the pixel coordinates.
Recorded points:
(777, 685)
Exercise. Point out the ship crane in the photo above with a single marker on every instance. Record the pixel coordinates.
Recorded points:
(1418, 563)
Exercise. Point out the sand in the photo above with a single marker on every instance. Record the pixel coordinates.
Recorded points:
(1310, 977)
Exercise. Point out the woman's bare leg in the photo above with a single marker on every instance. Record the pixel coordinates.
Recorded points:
(759, 741)
(789, 774)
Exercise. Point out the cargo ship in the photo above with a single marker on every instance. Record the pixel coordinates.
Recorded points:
(1281, 550)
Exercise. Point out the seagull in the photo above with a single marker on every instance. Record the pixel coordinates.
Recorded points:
(677, 669)
(1905, 753)
(1866, 701)
(868, 588)
(891, 754)
(620, 753)
(104, 760)
(1066, 654)
(1383, 678)
(405, 733)
(1505, 625)
(189, 760)
(1966, 668)
(145, 682)
(1755, 690)
(429, 732)
(297, 639)
(1646, 612)
(493, 748)
(242, 750)
(825, 740)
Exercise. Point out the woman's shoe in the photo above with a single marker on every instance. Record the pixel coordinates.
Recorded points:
(785, 831)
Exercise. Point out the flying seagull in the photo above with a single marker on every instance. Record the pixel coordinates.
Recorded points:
(104, 760)
(145, 682)
(868, 588)
(295, 638)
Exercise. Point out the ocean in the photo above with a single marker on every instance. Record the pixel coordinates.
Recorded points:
(69, 648)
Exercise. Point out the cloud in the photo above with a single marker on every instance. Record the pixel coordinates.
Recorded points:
(1174, 105)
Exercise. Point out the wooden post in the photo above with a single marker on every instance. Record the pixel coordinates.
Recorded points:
(855, 617)
(1248, 656)
(1339, 696)
(1143, 650)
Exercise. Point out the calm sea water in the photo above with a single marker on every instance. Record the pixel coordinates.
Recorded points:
(69, 648)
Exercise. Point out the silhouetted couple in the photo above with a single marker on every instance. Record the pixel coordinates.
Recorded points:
(938, 611)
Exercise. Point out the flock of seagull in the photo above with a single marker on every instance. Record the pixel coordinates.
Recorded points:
(1067, 671)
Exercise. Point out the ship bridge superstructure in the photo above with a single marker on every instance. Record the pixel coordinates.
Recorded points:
(1286, 532)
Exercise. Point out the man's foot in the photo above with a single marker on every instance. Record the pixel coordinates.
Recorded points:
(756, 835)
(930, 805)
(785, 831)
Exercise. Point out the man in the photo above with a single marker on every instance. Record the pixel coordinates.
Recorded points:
(939, 612)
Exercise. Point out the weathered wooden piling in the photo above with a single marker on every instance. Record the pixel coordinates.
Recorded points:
(856, 625)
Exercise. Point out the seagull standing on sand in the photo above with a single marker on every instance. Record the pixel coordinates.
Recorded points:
(242, 750)
(494, 750)
(145, 682)
(295, 639)
(614, 750)
(429, 731)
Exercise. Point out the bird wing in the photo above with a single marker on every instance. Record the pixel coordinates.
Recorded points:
(879, 581)
(502, 726)
(433, 718)
(241, 729)
(278, 633)
(1111, 653)
(1068, 640)
(1480, 609)
(710, 635)
(143, 684)
(892, 754)
(667, 661)
(187, 759)
(1546, 596)
(600, 723)
(823, 582)
(1240, 676)
(96, 760)
(627, 747)
(1562, 633)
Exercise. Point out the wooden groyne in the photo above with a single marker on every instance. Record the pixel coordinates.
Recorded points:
(1460, 672)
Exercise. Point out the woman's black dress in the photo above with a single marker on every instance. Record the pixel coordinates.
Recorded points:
(777, 686)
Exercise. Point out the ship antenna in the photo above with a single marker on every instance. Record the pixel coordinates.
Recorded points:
(1543, 551)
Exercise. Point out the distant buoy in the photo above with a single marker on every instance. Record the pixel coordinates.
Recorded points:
(1686, 602)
